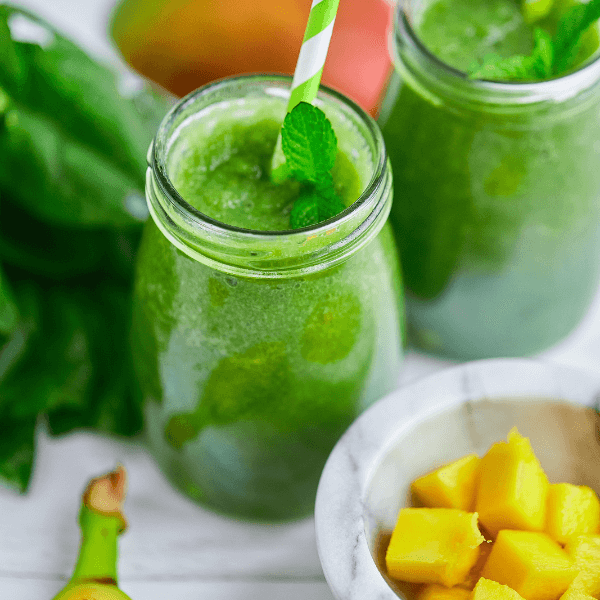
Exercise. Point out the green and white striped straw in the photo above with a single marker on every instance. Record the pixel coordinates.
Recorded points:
(313, 52)
(309, 68)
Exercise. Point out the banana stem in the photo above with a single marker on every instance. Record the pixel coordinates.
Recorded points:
(101, 522)
(97, 561)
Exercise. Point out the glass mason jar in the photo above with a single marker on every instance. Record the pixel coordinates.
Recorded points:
(496, 215)
(257, 349)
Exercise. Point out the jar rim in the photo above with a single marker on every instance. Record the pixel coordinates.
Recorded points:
(266, 253)
(558, 88)
(202, 220)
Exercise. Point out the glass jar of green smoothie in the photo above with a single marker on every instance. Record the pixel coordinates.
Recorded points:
(498, 183)
(256, 345)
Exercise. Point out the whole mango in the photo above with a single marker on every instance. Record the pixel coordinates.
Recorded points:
(184, 44)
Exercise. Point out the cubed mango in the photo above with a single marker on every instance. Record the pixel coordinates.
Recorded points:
(573, 594)
(572, 510)
(433, 545)
(531, 563)
(486, 589)
(475, 573)
(585, 551)
(450, 486)
(512, 488)
(435, 591)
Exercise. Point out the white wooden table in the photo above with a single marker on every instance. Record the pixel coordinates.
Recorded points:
(173, 549)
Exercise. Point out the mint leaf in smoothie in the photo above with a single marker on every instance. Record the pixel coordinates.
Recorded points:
(572, 25)
(309, 145)
(305, 211)
(519, 67)
(550, 56)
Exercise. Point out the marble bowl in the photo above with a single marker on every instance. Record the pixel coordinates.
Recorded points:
(434, 421)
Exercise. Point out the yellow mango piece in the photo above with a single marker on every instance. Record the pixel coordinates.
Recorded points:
(585, 551)
(573, 594)
(512, 488)
(433, 545)
(486, 589)
(441, 592)
(531, 563)
(475, 573)
(572, 510)
(450, 486)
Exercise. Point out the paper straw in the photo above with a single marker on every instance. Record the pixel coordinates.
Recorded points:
(313, 52)
(309, 68)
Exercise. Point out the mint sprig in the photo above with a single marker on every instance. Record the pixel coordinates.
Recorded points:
(309, 145)
(550, 56)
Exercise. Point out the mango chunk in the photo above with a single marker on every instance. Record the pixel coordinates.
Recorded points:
(433, 545)
(450, 486)
(475, 573)
(531, 563)
(440, 592)
(572, 594)
(585, 551)
(512, 488)
(572, 510)
(486, 589)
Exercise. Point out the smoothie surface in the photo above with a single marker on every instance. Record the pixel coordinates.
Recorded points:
(224, 173)
(462, 32)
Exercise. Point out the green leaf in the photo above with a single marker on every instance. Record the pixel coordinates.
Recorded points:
(571, 26)
(495, 67)
(48, 250)
(550, 56)
(305, 211)
(68, 120)
(330, 203)
(56, 368)
(9, 313)
(519, 67)
(310, 148)
(17, 451)
(309, 143)
(543, 54)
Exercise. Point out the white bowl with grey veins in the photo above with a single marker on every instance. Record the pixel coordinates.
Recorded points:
(465, 409)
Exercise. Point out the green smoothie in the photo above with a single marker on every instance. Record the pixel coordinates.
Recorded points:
(256, 350)
(497, 193)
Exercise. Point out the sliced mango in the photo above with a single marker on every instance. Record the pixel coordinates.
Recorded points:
(512, 488)
(450, 486)
(572, 510)
(486, 589)
(531, 563)
(433, 545)
(435, 591)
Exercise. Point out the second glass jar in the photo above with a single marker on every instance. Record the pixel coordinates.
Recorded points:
(497, 204)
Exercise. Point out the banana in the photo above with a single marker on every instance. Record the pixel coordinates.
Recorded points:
(101, 521)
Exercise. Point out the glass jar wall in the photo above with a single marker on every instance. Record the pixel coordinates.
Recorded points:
(257, 349)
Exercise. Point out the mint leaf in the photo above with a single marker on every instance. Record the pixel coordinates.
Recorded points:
(494, 67)
(305, 211)
(543, 54)
(309, 143)
(571, 27)
(315, 205)
(550, 56)
(330, 204)
(519, 67)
